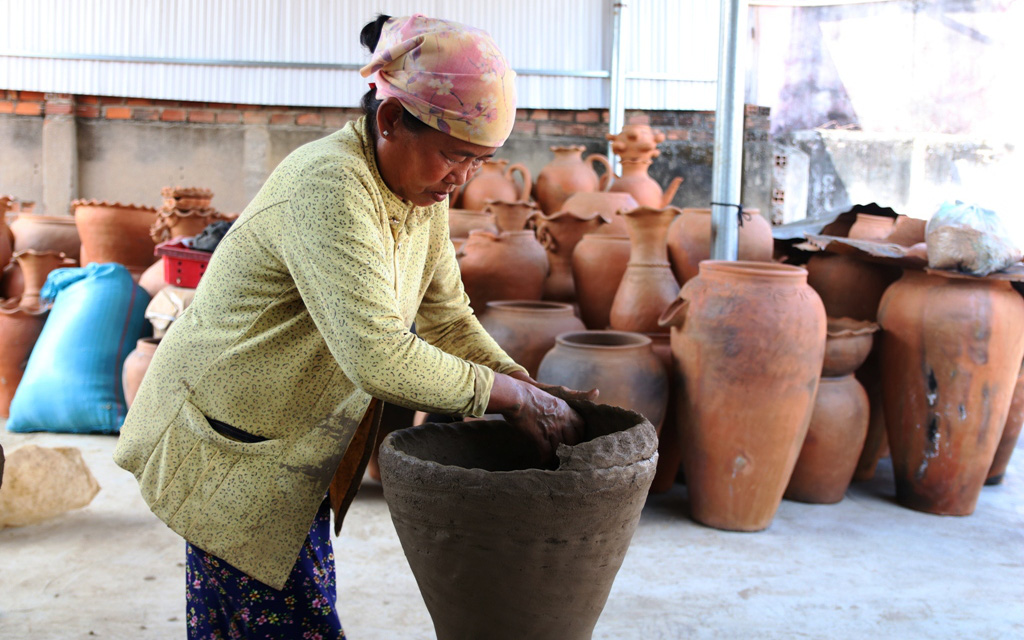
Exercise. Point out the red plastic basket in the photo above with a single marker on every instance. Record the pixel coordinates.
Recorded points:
(183, 267)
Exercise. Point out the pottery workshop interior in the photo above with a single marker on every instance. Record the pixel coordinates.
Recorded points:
(462, 320)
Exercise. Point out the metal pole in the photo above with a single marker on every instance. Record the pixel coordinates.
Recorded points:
(728, 160)
(617, 91)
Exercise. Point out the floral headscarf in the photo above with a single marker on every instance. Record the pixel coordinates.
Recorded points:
(450, 76)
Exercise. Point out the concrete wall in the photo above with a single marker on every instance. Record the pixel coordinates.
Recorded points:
(21, 163)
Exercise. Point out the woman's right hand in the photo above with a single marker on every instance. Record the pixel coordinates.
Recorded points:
(546, 419)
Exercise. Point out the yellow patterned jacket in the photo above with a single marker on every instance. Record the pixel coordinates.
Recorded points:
(302, 317)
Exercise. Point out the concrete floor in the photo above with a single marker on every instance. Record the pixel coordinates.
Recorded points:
(864, 568)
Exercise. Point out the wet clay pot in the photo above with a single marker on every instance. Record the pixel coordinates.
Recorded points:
(603, 202)
(507, 266)
(484, 526)
(511, 215)
(1011, 432)
(598, 264)
(46, 233)
(951, 354)
(569, 173)
(526, 329)
(689, 240)
(135, 365)
(622, 365)
(749, 340)
(35, 267)
(870, 227)
(19, 329)
(462, 221)
(495, 182)
(560, 233)
(115, 232)
(648, 285)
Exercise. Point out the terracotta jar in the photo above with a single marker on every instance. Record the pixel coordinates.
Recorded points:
(644, 189)
(849, 287)
(46, 233)
(494, 181)
(870, 227)
(506, 266)
(527, 329)
(559, 234)
(35, 267)
(749, 340)
(670, 452)
(462, 221)
(115, 232)
(622, 365)
(689, 240)
(135, 365)
(1011, 432)
(876, 444)
(648, 286)
(6, 243)
(482, 523)
(19, 329)
(907, 231)
(12, 283)
(178, 224)
(847, 345)
(569, 173)
(598, 264)
(951, 353)
(152, 279)
(605, 203)
(511, 215)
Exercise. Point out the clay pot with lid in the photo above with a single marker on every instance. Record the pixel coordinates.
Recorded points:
(569, 173)
(462, 221)
(494, 181)
(46, 233)
(749, 342)
(511, 265)
(20, 327)
(526, 329)
(559, 234)
(35, 267)
(598, 264)
(622, 365)
(648, 286)
(1011, 432)
(511, 215)
(952, 348)
(115, 232)
(135, 366)
(689, 240)
(484, 524)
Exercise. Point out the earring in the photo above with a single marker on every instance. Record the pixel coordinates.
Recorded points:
(384, 133)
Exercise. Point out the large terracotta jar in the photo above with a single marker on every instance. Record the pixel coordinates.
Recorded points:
(495, 182)
(598, 264)
(839, 420)
(506, 266)
(504, 547)
(135, 365)
(560, 233)
(951, 353)
(569, 173)
(622, 365)
(871, 227)
(46, 233)
(35, 267)
(749, 341)
(648, 286)
(527, 329)
(19, 329)
(511, 215)
(1011, 432)
(115, 232)
(605, 203)
(689, 240)
(462, 221)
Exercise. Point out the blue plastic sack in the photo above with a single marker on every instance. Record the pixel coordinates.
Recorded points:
(72, 383)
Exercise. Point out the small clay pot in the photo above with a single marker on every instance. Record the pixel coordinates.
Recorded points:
(847, 346)
(598, 264)
(135, 366)
(527, 329)
(46, 233)
(511, 265)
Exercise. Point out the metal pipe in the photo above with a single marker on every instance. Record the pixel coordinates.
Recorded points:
(727, 166)
(617, 86)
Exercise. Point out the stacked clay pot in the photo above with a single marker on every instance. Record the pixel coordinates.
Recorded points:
(951, 353)
(839, 420)
(569, 173)
(598, 264)
(748, 339)
(504, 546)
(115, 232)
(560, 233)
(689, 240)
(648, 285)
(1011, 432)
(527, 329)
(495, 182)
(511, 265)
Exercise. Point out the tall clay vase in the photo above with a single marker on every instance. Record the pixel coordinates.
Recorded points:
(504, 266)
(115, 232)
(598, 264)
(495, 182)
(644, 189)
(135, 365)
(839, 421)
(462, 221)
(569, 173)
(749, 341)
(648, 287)
(689, 240)
(1011, 432)
(511, 215)
(46, 233)
(622, 365)
(526, 329)
(35, 267)
(19, 329)
(951, 354)
(503, 549)
(559, 234)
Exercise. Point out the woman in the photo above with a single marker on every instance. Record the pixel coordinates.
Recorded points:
(271, 383)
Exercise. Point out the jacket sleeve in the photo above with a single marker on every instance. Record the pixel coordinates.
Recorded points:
(333, 246)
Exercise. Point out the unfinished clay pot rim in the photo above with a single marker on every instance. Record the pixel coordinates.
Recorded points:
(530, 306)
(512, 203)
(571, 147)
(12, 306)
(38, 217)
(845, 327)
(583, 217)
(37, 252)
(603, 339)
(753, 269)
(186, 192)
(106, 204)
(641, 210)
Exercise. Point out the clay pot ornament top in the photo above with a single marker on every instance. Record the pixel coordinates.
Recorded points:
(637, 147)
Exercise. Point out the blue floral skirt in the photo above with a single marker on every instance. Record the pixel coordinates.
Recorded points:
(222, 602)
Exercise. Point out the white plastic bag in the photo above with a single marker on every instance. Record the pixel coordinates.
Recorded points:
(971, 239)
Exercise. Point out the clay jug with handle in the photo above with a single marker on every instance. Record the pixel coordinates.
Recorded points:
(568, 173)
(495, 182)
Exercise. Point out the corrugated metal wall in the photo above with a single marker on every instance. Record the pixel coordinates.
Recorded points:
(268, 51)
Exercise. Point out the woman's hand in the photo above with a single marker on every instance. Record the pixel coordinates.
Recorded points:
(565, 393)
(542, 416)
